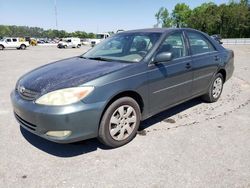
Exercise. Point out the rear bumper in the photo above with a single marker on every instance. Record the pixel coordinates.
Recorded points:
(81, 119)
(229, 68)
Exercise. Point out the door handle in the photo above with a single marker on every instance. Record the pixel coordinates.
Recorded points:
(216, 58)
(188, 66)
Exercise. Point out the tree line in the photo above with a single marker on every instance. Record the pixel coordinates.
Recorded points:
(25, 31)
(231, 20)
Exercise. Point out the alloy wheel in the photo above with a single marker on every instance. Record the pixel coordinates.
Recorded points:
(122, 122)
(217, 87)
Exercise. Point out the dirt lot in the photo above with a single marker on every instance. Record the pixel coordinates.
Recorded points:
(192, 145)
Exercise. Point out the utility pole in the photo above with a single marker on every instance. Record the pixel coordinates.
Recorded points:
(56, 14)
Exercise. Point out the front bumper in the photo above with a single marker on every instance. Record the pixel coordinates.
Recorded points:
(80, 118)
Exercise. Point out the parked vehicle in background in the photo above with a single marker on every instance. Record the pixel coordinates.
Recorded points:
(33, 42)
(10, 42)
(218, 38)
(86, 41)
(99, 38)
(70, 42)
(129, 77)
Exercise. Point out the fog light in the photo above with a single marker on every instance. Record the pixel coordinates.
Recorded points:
(58, 133)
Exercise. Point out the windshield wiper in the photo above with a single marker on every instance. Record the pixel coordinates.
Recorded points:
(82, 57)
(99, 58)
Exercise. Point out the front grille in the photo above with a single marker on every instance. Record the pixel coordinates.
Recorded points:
(26, 124)
(27, 94)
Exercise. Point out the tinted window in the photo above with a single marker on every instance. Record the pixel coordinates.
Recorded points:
(14, 40)
(8, 40)
(199, 44)
(175, 44)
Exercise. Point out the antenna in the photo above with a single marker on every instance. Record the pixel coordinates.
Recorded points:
(56, 14)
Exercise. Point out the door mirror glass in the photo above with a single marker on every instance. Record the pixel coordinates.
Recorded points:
(163, 57)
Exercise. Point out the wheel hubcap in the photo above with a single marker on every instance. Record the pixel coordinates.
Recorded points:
(122, 122)
(217, 87)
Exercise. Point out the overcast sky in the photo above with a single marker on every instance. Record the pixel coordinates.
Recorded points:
(84, 15)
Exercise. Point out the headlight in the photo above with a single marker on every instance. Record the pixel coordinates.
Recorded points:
(64, 96)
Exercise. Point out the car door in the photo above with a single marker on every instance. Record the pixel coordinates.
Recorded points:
(170, 82)
(14, 43)
(9, 43)
(205, 59)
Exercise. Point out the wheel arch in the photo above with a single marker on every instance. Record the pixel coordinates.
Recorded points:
(133, 94)
(224, 74)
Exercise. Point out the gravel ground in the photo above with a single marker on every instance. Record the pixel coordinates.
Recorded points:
(192, 145)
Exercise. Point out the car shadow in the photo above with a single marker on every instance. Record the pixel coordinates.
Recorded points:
(87, 146)
(170, 112)
(62, 150)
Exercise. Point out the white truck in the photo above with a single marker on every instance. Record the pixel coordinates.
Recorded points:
(70, 42)
(10, 42)
(99, 38)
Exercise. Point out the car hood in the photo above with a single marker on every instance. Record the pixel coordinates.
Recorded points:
(67, 73)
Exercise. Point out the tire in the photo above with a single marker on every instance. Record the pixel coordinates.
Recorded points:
(123, 128)
(78, 46)
(22, 47)
(215, 89)
(1, 47)
(65, 46)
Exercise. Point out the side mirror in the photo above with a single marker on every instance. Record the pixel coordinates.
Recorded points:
(163, 57)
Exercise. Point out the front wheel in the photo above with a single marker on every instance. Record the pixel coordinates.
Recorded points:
(1, 47)
(120, 122)
(215, 89)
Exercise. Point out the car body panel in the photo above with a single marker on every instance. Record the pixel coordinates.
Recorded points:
(169, 82)
(70, 72)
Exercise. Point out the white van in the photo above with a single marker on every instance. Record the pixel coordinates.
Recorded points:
(70, 42)
(99, 38)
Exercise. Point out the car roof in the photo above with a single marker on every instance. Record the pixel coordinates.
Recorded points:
(158, 30)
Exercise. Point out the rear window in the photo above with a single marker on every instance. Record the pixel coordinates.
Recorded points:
(199, 44)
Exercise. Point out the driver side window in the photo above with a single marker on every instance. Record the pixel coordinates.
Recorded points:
(175, 44)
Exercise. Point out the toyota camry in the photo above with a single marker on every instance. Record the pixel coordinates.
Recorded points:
(127, 78)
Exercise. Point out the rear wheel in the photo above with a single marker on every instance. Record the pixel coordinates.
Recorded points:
(78, 45)
(22, 47)
(65, 46)
(120, 122)
(215, 89)
(1, 47)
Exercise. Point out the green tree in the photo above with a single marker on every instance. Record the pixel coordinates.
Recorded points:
(25, 31)
(231, 20)
(181, 14)
(163, 17)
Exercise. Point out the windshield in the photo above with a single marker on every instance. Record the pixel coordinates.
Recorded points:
(131, 47)
(99, 36)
